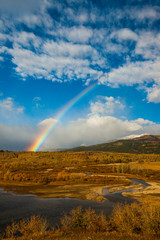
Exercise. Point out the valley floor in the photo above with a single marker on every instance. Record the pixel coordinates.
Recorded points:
(86, 176)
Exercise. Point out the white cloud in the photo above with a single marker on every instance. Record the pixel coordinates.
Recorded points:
(79, 15)
(134, 73)
(154, 94)
(26, 40)
(71, 49)
(135, 136)
(41, 19)
(107, 106)
(3, 37)
(9, 105)
(56, 60)
(31, 20)
(125, 34)
(141, 73)
(136, 13)
(82, 17)
(142, 121)
(148, 45)
(93, 129)
(47, 122)
(68, 49)
(77, 34)
(151, 13)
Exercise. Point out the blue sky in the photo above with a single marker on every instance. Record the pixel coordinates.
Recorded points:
(50, 51)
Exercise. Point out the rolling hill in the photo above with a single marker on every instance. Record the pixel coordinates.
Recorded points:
(143, 144)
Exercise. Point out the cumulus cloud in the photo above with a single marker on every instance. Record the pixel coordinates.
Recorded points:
(124, 34)
(26, 40)
(99, 126)
(77, 34)
(135, 73)
(148, 45)
(56, 60)
(96, 129)
(91, 130)
(47, 122)
(107, 106)
(142, 121)
(154, 94)
(84, 43)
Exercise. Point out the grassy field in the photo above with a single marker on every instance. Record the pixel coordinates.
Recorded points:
(83, 175)
(70, 174)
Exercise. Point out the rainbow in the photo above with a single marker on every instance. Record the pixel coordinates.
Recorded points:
(37, 144)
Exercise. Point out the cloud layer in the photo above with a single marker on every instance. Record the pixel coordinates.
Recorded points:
(67, 41)
(99, 126)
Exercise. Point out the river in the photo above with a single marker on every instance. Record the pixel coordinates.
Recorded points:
(17, 206)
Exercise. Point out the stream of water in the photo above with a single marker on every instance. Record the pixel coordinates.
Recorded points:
(17, 206)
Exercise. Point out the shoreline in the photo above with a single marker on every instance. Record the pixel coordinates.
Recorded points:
(80, 191)
(91, 192)
(150, 193)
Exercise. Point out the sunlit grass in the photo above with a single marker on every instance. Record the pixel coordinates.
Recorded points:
(135, 221)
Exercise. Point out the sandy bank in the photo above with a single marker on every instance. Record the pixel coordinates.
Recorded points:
(152, 192)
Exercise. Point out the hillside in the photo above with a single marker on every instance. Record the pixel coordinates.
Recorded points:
(143, 144)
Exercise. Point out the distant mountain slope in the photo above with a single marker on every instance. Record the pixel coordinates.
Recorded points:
(143, 144)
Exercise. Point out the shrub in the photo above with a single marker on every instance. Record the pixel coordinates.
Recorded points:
(126, 218)
(33, 226)
(136, 218)
(151, 218)
(89, 220)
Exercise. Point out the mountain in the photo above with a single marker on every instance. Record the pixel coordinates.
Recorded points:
(142, 144)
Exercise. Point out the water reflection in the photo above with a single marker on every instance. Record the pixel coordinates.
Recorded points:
(16, 206)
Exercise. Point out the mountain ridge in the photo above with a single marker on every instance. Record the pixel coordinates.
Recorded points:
(143, 144)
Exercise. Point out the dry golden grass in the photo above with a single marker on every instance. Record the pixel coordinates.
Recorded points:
(155, 166)
(83, 175)
(51, 174)
(135, 221)
(61, 167)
